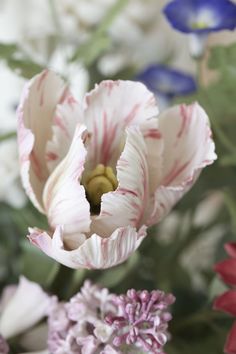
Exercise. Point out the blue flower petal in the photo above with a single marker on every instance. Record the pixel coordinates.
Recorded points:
(167, 82)
(201, 16)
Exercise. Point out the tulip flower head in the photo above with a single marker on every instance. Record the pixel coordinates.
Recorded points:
(105, 170)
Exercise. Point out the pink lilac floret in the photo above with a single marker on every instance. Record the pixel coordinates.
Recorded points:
(142, 319)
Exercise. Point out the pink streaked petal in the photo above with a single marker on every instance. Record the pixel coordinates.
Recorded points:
(226, 302)
(64, 197)
(155, 144)
(188, 144)
(27, 306)
(31, 183)
(162, 202)
(66, 117)
(35, 113)
(126, 206)
(230, 248)
(111, 107)
(227, 270)
(230, 345)
(94, 253)
(188, 148)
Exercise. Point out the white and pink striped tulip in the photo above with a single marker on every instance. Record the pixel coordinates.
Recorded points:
(106, 169)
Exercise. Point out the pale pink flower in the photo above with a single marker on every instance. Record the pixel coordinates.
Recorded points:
(97, 322)
(79, 326)
(106, 169)
(22, 306)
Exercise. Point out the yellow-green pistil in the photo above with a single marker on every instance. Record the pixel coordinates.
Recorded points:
(99, 181)
(199, 25)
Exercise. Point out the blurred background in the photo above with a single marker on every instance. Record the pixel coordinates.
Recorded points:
(87, 41)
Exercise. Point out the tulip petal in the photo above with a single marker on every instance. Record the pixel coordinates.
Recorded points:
(96, 252)
(35, 114)
(111, 107)
(155, 144)
(27, 306)
(230, 248)
(126, 205)
(188, 147)
(64, 197)
(227, 270)
(65, 119)
(230, 345)
(226, 302)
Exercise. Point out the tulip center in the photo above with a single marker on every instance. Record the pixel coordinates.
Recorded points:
(99, 181)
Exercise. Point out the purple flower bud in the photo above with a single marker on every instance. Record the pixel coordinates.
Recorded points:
(143, 319)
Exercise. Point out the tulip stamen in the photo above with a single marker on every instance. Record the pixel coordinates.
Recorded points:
(99, 181)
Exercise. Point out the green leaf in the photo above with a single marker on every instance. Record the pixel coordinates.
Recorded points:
(89, 51)
(7, 50)
(223, 58)
(99, 41)
(18, 61)
(216, 288)
(24, 67)
(7, 136)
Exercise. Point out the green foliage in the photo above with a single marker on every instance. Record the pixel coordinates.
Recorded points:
(18, 61)
(36, 266)
(99, 41)
(223, 58)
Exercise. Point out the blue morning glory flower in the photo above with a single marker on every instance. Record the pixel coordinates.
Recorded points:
(201, 16)
(167, 82)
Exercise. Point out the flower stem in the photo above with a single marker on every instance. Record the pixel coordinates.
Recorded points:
(62, 281)
(205, 316)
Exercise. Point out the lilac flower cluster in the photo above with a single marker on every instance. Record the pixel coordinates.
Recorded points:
(142, 320)
(79, 326)
(97, 322)
(4, 348)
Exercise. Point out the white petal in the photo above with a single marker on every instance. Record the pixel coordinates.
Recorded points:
(64, 197)
(126, 205)
(65, 119)
(35, 113)
(187, 143)
(111, 107)
(96, 252)
(155, 144)
(188, 148)
(27, 306)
